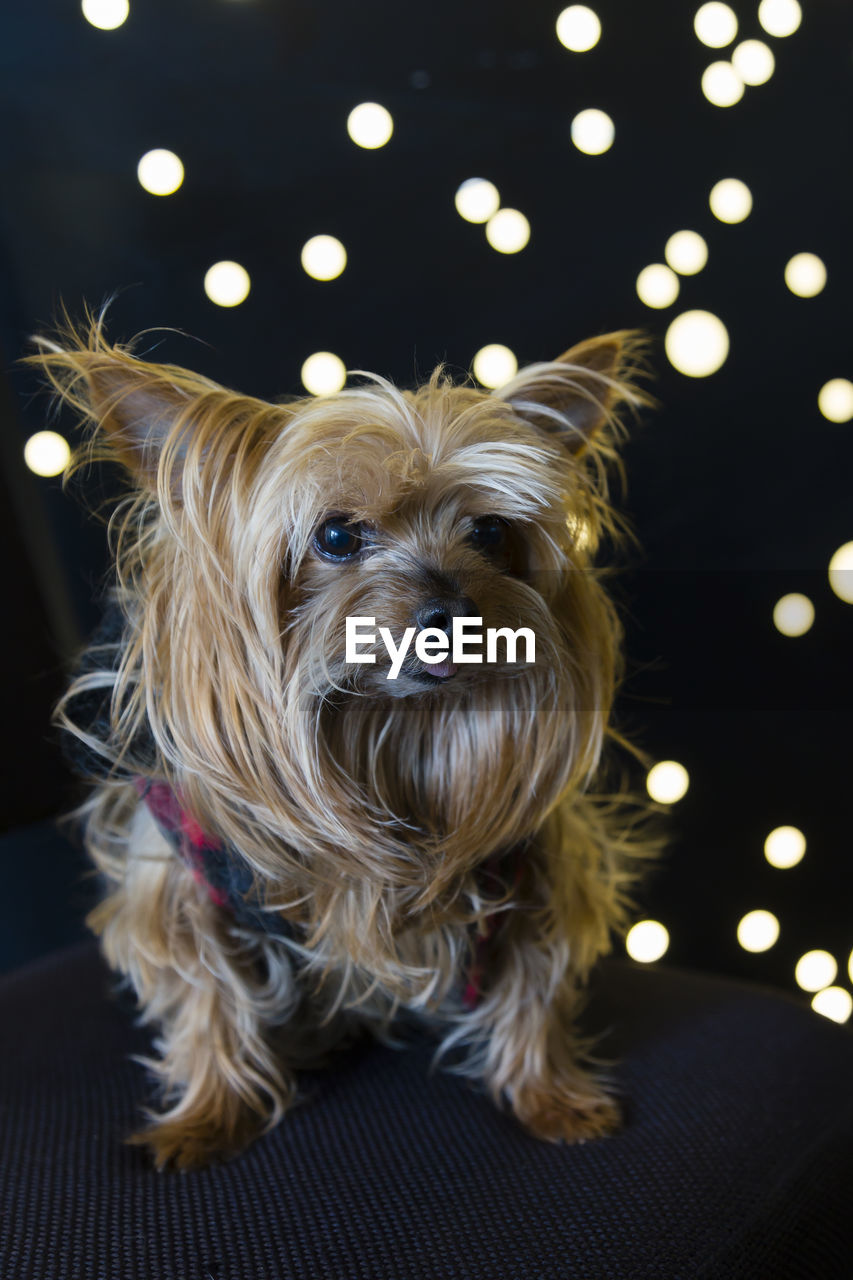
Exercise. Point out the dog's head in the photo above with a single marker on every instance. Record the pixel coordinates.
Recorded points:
(256, 531)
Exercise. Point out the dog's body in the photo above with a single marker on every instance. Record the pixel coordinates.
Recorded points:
(294, 845)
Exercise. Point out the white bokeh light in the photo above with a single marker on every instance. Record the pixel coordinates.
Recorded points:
(578, 28)
(227, 284)
(753, 61)
(780, 17)
(323, 373)
(494, 365)
(106, 15)
(793, 614)
(593, 131)
(805, 275)
(323, 258)
(370, 125)
(835, 400)
(697, 343)
(814, 970)
(667, 782)
(715, 24)
(686, 252)
(834, 1003)
(477, 200)
(722, 85)
(758, 931)
(647, 941)
(160, 172)
(841, 572)
(730, 200)
(657, 285)
(508, 231)
(47, 453)
(785, 847)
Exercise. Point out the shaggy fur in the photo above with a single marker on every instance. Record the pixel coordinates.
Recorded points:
(367, 808)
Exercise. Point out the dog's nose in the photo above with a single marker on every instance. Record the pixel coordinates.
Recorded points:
(441, 610)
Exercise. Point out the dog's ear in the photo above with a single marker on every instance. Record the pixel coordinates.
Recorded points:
(139, 410)
(571, 398)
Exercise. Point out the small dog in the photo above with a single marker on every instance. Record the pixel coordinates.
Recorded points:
(295, 846)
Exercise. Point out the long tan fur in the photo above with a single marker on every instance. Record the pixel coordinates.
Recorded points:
(366, 809)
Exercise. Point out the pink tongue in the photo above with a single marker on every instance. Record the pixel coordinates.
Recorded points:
(441, 669)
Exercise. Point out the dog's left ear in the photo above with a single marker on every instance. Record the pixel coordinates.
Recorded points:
(571, 398)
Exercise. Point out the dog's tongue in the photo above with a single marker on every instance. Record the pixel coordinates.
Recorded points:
(443, 670)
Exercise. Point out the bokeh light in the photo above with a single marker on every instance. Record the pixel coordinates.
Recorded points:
(780, 17)
(494, 365)
(805, 275)
(730, 200)
(686, 252)
(578, 28)
(721, 84)
(593, 131)
(793, 614)
(227, 284)
(753, 61)
(657, 285)
(667, 782)
(106, 15)
(697, 343)
(370, 125)
(785, 847)
(47, 453)
(814, 970)
(323, 258)
(160, 172)
(841, 573)
(508, 231)
(834, 1003)
(323, 373)
(758, 931)
(835, 400)
(647, 941)
(715, 25)
(477, 200)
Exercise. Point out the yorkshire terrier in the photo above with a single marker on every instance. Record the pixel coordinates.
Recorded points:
(299, 838)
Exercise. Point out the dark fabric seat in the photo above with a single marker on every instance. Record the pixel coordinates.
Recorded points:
(736, 1159)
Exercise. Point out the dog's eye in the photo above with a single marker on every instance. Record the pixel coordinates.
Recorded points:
(338, 538)
(488, 533)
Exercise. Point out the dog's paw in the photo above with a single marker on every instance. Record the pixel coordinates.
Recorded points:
(572, 1114)
(192, 1144)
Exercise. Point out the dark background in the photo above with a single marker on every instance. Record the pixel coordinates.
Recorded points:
(738, 488)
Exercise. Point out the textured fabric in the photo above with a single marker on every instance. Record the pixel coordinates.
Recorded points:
(736, 1159)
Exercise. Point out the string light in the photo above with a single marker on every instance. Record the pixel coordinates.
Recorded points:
(805, 275)
(160, 172)
(47, 453)
(780, 17)
(834, 1003)
(785, 847)
(227, 284)
(730, 200)
(508, 231)
(793, 614)
(494, 365)
(753, 61)
(715, 25)
(722, 85)
(657, 285)
(647, 941)
(841, 573)
(593, 131)
(477, 200)
(323, 258)
(835, 400)
(578, 28)
(686, 252)
(667, 782)
(758, 931)
(106, 15)
(370, 125)
(697, 343)
(814, 970)
(323, 373)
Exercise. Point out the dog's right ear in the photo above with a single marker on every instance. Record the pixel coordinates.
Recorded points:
(147, 416)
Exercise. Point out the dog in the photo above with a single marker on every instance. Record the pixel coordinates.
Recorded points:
(296, 846)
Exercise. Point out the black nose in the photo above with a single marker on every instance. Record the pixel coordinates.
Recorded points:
(441, 610)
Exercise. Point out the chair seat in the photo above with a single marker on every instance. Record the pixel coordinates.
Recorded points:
(736, 1158)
